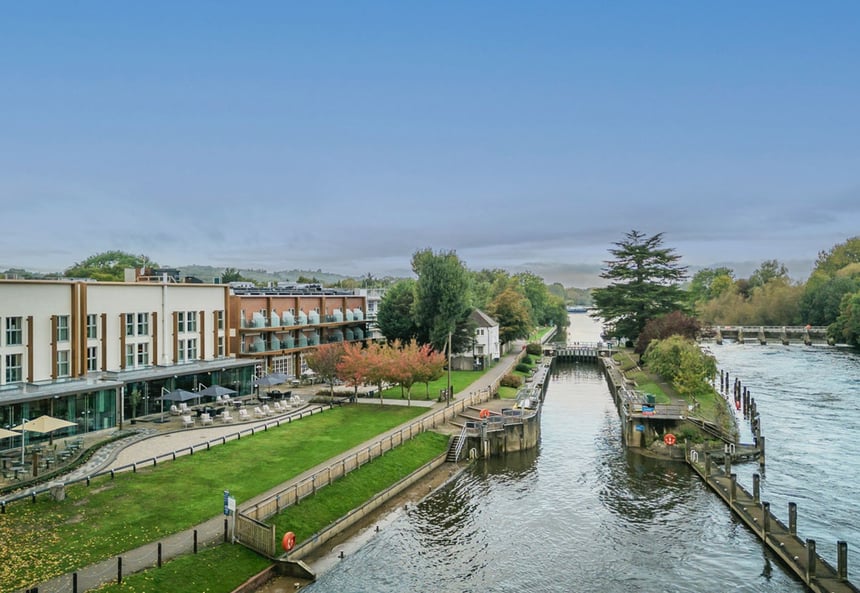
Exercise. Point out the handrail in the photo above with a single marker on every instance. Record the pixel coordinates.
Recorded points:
(460, 443)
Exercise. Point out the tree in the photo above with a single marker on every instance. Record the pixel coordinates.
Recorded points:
(231, 275)
(511, 310)
(109, 266)
(847, 327)
(547, 309)
(443, 299)
(769, 271)
(675, 323)
(352, 368)
(645, 279)
(430, 365)
(323, 360)
(709, 283)
(395, 316)
(681, 361)
(839, 256)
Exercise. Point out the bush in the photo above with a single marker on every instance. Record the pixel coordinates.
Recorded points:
(527, 360)
(523, 368)
(534, 349)
(511, 381)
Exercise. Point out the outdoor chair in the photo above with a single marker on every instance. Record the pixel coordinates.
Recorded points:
(258, 413)
(205, 418)
(278, 407)
(226, 416)
(267, 410)
(243, 414)
(174, 411)
(187, 421)
(184, 409)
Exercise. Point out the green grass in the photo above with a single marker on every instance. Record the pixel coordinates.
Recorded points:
(359, 486)
(508, 392)
(92, 523)
(222, 568)
(225, 567)
(459, 381)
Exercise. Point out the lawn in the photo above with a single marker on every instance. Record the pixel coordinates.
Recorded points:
(459, 381)
(225, 567)
(45, 539)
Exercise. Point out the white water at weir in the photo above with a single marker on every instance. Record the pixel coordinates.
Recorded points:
(581, 513)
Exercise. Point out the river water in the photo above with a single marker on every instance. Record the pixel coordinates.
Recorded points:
(580, 513)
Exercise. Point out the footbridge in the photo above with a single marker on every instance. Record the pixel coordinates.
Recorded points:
(781, 334)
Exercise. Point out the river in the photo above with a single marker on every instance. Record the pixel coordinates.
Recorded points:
(580, 513)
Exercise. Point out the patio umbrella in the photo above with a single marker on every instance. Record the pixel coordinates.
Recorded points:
(216, 391)
(42, 425)
(271, 380)
(6, 434)
(179, 395)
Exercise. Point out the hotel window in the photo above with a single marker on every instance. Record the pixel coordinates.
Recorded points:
(143, 355)
(219, 319)
(187, 349)
(180, 321)
(14, 370)
(14, 331)
(191, 324)
(129, 355)
(129, 324)
(220, 346)
(92, 358)
(192, 349)
(63, 363)
(92, 327)
(62, 328)
(143, 324)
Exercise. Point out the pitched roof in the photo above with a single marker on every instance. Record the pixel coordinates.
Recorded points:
(482, 319)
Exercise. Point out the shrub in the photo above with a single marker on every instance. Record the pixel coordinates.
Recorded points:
(527, 360)
(511, 381)
(523, 368)
(534, 349)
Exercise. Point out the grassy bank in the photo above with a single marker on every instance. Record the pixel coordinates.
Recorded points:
(42, 540)
(223, 568)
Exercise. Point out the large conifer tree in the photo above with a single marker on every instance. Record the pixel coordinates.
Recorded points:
(645, 282)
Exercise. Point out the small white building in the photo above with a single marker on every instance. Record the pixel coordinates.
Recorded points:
(486, 346)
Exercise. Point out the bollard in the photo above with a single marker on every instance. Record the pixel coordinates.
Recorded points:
(119, 570)
(756, 487)
(792, 518)
(761, 449)
(733, 488)
(74, 582)
(728, 463)
(765, 523)
(225, 531)
(810, 559)
(842, 560)
(159, 554)
(195, 541)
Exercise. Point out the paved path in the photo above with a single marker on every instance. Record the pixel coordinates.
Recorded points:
(151, 442)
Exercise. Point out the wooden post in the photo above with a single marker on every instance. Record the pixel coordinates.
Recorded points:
(765, 520)
(159, 555)
(792, 518)
(756, 487)
(728, 455)
(761, 449)
(810, 559)
(733, 488)
(119, 570)
(707, 465)
(842, 560)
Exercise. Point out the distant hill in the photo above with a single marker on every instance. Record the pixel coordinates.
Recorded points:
(209, 273)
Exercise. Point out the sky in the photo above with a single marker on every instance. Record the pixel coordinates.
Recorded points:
(345, 136)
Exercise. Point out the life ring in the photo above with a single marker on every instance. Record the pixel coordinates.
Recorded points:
(485, 413)
(289, 541)
(669, 439)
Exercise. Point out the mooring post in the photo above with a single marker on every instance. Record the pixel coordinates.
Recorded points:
(707, 465)
(842, 560)
(765, 520)
(733, 488)
(728, 462)
(810, 559)
(792, 518)
(756, 487)
(761, 451)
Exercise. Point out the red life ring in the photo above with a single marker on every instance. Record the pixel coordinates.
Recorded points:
(289, 541)
(669, 439)
(485, 413)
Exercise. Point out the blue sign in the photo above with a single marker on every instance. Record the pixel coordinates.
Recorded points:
(647, 409)
(226, 499)
(639, 428)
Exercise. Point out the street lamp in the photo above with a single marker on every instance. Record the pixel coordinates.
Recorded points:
(163, 390)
